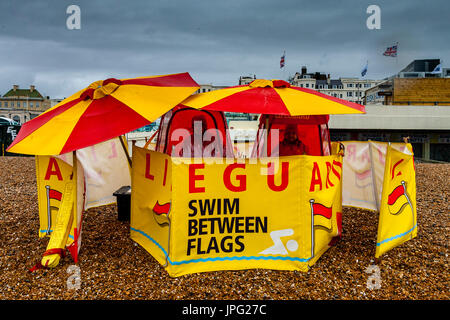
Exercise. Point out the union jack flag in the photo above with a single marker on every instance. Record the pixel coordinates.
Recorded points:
(282, 60)
(391, 51)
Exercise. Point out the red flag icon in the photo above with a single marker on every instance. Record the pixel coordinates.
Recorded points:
(398, 199)
(321, 215)
(161, 213)
(161, 208)
(54, 194)
(320, 209)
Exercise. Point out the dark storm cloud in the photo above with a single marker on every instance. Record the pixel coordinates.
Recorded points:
(216, 41)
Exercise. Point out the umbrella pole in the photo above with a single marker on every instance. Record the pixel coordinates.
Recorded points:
(125, 150)
(75, 180)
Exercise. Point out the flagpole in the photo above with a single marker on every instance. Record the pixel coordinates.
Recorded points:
(283, 71)
(49, 210)
(311, 202)
(396, 55)
(374, 178)
(410, 204)
(75, 180)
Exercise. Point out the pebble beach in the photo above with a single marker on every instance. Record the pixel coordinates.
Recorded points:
(114, 267)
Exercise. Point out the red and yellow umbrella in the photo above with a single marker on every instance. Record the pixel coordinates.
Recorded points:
(104, 110)
(272, 97)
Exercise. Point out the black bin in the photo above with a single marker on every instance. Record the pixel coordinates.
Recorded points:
(123, 196)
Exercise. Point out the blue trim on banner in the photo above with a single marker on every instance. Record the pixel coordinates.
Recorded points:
(151, 239)
(397, 236)
(218, 258)
(42, 231)
(240, 258)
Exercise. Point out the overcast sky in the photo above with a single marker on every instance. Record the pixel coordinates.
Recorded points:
(215, 41)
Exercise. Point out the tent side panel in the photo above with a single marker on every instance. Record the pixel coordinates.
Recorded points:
(321, 202)
(52, 174)
(358, 183)
(151, 201)
(107, 170)
(398, 211)
(255, 214)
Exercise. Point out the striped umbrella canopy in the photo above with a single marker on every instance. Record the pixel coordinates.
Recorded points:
(104, 110)
(272, 97)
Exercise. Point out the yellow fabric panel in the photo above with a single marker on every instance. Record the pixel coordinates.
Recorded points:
(50, 138)
(232, 216)
(201, 100)
(257, 208)
(322, 184)
(302, 103)
(52, 174)
(147, 228)
(398, 220)
(62, 227)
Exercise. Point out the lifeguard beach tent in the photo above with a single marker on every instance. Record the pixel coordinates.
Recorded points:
(195, 215)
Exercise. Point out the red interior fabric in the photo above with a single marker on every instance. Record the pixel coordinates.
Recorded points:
(312, 131)
(183, 118)
(309, 135)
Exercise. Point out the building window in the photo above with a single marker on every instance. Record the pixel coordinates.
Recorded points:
(349, 94)
(37, 104)
(312, 85)
(307, 85)
(31, 104)
(349, 85)
(340, 95)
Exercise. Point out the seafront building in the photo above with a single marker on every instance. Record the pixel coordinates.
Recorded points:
(416, 84)
(22, 105)
(414, 103)
(350, 89)
(418, 108)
